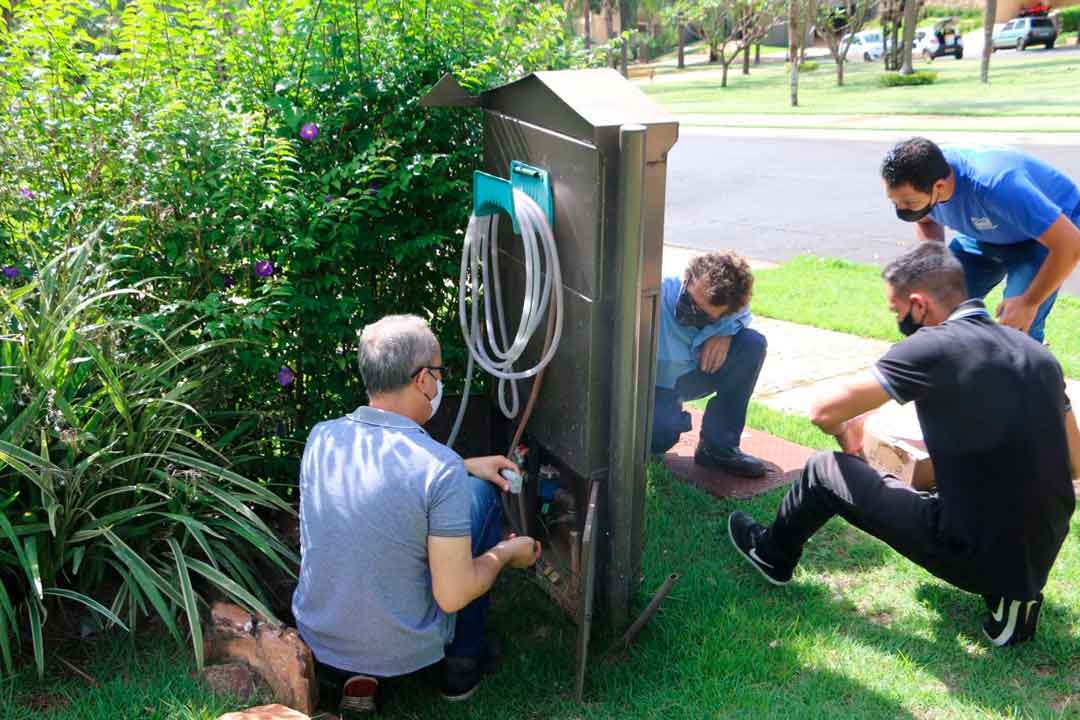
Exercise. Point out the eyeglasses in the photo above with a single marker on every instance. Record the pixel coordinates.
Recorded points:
(444, 371)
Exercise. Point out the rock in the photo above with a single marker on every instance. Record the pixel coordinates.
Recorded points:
(265, 712)
(276, 653)
(235, 679)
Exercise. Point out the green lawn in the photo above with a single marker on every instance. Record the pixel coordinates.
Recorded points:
(849, 297)
(150, 679)
(861, 633)
(1035, 83)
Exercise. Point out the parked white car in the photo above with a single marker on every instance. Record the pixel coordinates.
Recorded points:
(868, 44)
(941, 38)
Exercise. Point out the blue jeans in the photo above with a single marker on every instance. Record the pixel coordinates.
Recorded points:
(486, 531)
(725, 414)
(986, 264)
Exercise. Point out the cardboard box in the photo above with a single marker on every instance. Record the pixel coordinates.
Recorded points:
(897, 448)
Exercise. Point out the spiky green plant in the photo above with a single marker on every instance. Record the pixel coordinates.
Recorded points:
(115, 490)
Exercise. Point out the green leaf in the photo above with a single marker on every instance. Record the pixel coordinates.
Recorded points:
(34, 611)
(88, 602)
(233, 589)
(191, 606)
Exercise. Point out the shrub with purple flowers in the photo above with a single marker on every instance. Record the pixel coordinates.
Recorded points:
(258, 172)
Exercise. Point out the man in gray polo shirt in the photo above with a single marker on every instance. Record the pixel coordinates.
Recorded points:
(400, 538)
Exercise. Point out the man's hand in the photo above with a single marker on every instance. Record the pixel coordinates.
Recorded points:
(714, 352)
(523, 551)
(851, 435)
(488, 467)
(1016, 312)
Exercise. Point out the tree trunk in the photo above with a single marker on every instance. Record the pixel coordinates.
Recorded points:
(804, 29)
(911, 17)
(609, 21)
(839, 70)
(713, 57)
(793, 31)
(746, 60)
(723, 74)
(794, 84)
(682, 44)
(625, 23)
(757, 54)
(588, 23)
(794, 40)
(988, 42)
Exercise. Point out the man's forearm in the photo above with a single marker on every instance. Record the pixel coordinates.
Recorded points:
(1054, 271)
(486, 569)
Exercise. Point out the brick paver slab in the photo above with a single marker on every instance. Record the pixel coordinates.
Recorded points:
(785, 460)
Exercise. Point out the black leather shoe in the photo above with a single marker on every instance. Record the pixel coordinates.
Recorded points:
(731, 460)
(461, 677)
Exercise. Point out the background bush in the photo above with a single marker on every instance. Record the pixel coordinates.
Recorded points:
(920, 77)
(1070, 18)
(243, 185)
(186, 129)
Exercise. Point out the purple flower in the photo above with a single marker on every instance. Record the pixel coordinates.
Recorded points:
(26, 193)
(264, 268)
(309, 131)
(228, 281)
(285, 376)
(328, 198)
(11, 272)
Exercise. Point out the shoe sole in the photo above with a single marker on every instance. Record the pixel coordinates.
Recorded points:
(463, 696)
(774, 581)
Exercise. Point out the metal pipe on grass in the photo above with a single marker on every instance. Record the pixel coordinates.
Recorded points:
(650, 610)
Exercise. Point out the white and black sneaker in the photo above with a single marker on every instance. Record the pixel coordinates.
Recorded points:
(744, 534)
(1011, 621)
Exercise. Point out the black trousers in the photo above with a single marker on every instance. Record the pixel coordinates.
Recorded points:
(880, 505)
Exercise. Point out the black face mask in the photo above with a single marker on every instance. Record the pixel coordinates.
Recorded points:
(907, 324)
(688, 313)
(915, 215)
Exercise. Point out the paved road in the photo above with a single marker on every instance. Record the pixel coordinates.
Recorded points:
(774, 198)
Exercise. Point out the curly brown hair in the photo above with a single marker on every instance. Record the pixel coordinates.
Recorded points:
(727, 279)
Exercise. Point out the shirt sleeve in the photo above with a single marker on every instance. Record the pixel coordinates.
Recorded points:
(1024, 206)
(731, 324)
(450, 504)
(907, 371)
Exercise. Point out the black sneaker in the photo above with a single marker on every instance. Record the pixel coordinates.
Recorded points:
(461, 677)
(744, 533)
(358, 697)
(731, 460)
(1011, 621)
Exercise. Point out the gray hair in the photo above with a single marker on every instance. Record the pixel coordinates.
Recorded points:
(392, 349)
(930, 267)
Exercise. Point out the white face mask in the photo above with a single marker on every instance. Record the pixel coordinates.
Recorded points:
(435, 401)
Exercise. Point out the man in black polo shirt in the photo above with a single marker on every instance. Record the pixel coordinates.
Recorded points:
(1001, 436)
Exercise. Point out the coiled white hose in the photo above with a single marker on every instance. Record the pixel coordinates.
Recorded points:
(543, 288)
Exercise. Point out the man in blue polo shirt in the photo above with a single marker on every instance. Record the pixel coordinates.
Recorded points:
(1015, 218)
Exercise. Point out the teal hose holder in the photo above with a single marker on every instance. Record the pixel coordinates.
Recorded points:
(492, 194)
